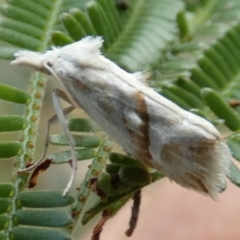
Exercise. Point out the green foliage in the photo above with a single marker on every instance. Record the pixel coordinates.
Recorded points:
(44, 199)
(221, 108)
(29, 233)
(191, 50)
(131, 38)
(12, 94)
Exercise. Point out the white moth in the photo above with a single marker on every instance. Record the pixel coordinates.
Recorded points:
(183, 146)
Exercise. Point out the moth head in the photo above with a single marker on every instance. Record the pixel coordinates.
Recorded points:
(87, 47)
(36, 60)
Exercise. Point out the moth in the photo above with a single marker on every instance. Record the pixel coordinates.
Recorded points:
(186, 148)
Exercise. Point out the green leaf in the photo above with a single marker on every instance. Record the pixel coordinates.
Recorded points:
(4, 221)
(123, 160)
(221, 108)
(75, 30)
(234, 174)
(82, 125)
(183, 24)
(44, 199)
(190, 86)
(202, 79)
(185, 95)
(168, 94)
(100, 22)
(233, 142)
(65, 156)
(12, 94)
(26, 15)
(85, 23)
(19, 39)
(5, 205)
(14, 25)
(11, 123)
(6, 190)
(126, 173)
(43, 218)
(31, 6)
(212, 71)
(80, 141)
(60, 39)
(133, 175)
(9, 149)
(30, 233)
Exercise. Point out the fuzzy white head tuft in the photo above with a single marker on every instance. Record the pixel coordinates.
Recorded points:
(36, 60)
(91, 44)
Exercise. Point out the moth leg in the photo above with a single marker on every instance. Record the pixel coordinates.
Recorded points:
(56, 94)
(52, 120)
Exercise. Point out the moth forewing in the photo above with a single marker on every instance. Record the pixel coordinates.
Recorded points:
(183, 146)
